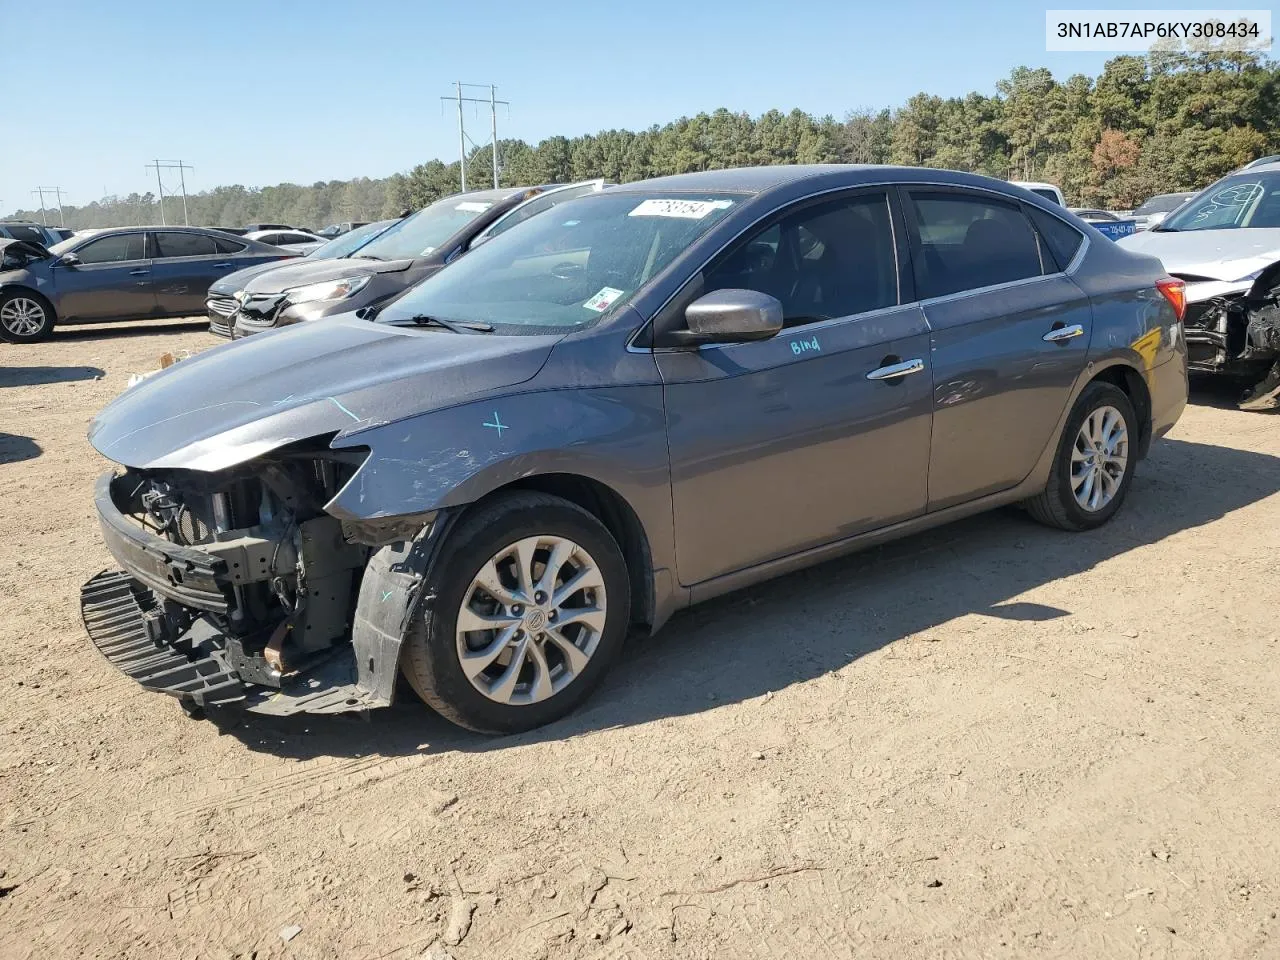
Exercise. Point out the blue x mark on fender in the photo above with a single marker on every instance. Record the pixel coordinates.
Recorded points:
(497, 424)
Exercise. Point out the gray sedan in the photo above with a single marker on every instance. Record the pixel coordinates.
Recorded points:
(653, 395)
(123, 273)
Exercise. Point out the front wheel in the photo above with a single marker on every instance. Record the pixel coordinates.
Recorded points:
(1094, 464)
(531, 605)
(24, 317)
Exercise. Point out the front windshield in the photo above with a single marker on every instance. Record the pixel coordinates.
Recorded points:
(418, 235)
(568, 267)
(1047, 194)
(349, 242)
(1163, 203)
(58, 249)
(1239, 201)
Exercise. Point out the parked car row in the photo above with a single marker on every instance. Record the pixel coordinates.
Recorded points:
(386, 265)
(125, 273)
(573, 423)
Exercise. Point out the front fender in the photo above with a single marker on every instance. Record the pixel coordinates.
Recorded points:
(613, 435)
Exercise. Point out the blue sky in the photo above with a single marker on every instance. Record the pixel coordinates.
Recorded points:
(259, 93)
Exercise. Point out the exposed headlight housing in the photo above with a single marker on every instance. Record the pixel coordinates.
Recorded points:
(327, 290)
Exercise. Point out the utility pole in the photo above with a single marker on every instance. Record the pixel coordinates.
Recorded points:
(182, 169)
(493, 102)
(57, 191)
(160, 187)
(39, 191)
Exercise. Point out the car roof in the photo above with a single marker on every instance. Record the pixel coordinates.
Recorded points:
(759, 180)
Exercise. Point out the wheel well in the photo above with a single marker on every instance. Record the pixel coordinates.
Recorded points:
(29, 292)
(607, 506)
(1135, 388)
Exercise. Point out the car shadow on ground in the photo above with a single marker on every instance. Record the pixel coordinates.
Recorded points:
(15, 449)
(148, 328)
(803, 625)
(37, 376)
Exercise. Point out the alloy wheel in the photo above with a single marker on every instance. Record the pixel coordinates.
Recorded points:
(531, 620)
(1099, 458)
(22, 317)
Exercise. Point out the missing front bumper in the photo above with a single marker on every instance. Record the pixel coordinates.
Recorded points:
(196, 667)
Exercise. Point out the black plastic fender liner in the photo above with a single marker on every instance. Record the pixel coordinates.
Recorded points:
(391, 596)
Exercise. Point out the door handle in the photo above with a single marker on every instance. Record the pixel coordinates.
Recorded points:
(1063, 334)
(138, 273)
(220, 265)
(893, 370)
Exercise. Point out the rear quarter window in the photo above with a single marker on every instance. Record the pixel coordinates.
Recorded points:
(1062, 239)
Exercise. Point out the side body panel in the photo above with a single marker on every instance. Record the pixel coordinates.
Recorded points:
(999, 386)
(120, 290)
(784, 444)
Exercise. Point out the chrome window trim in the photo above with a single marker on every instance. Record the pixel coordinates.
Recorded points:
(1071, 268)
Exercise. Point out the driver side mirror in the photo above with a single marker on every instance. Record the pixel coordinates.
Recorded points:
(69, 259)
(731, 316)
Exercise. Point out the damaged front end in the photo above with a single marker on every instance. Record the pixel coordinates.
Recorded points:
(1236, 333)
(236, 588)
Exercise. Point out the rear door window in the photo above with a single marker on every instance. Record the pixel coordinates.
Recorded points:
(117, 248)
(962, 242)
(184, 245)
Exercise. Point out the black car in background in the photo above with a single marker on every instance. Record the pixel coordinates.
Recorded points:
(224, 294)
(122, 273)
(404, 255)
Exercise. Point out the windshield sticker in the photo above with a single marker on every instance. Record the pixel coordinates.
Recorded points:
(473, 206)
(603, 300)
(680, 209)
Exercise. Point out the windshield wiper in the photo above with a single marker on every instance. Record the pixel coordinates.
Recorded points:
(364, 256)
(455, 326)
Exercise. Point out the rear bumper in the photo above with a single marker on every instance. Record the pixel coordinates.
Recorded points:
(1168, 386)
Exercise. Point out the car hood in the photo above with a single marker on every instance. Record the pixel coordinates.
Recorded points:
(1216, 254)
(28, 246)
(304, 271)
(237, 281)
(240, 400)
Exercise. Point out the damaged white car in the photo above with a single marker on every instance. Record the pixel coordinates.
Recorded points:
(1225, 244)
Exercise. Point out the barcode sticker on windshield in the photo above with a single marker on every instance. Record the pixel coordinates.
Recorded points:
(473, 206)
(681, 209)
(603, 300)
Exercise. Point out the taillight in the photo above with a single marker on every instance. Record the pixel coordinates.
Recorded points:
(1175, 291)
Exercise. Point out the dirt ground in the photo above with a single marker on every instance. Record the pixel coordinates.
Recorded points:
(992, 740)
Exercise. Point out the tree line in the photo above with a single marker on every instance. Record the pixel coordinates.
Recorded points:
(1163, 122)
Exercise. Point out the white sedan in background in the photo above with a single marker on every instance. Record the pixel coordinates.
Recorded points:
(295, 241)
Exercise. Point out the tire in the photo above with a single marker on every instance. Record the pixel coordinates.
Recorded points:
(19, 310)
(433, 653)
(1058, 505)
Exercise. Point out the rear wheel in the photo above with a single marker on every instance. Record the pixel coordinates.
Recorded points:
(24, 317)
(1094, 464)
(531, 605)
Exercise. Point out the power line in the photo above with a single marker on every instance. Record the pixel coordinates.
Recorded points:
(493, 102)
(182, 168)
